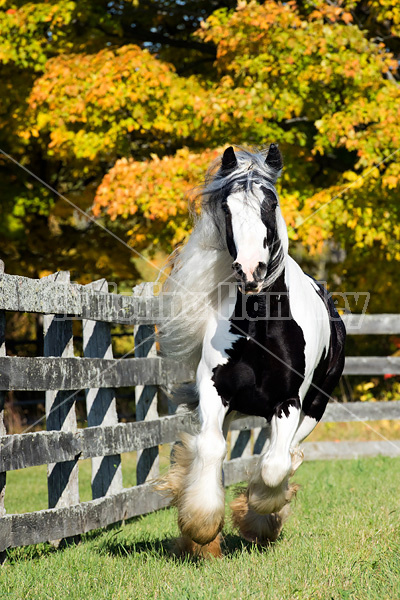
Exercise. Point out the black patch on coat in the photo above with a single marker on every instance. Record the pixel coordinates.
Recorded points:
(264, 373)
(268, 214)
(283, 407)
(330, 367)
(230, 242)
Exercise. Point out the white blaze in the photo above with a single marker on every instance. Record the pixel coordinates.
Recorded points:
(249, 232)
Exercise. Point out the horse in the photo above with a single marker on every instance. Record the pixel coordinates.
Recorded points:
(265, 340)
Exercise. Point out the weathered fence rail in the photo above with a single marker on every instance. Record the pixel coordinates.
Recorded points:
(53, 373)
(60, 374)
(23, 450)
(47, 296)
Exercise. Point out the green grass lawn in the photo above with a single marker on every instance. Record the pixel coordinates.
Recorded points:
(342, 542)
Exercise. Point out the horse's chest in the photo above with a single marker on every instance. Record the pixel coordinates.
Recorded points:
(266, 366)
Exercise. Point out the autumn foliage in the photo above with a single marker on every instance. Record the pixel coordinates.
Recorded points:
(122, 107)
(153, 196)
(98, 106)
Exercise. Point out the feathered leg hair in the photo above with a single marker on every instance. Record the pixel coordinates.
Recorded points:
(260, 511)
(198, 496)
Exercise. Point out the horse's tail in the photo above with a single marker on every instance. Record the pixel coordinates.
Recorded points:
(183, 397)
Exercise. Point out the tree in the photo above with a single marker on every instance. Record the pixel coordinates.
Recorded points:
(124, 98)
(151, 197)
(50, 52)
(308, 76)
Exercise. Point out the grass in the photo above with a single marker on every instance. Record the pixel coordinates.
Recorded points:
(342, 542)
(353, 431)
(34, 479)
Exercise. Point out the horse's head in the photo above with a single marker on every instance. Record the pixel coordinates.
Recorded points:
(256, 234)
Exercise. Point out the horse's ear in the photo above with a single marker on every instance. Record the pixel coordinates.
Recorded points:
(274, 158)
(229, 162)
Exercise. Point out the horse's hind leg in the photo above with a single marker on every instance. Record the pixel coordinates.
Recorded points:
(260, 512)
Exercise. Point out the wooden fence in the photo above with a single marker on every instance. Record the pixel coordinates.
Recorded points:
(61, 375)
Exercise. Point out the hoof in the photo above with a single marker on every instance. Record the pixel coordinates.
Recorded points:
(202, 528)
(256, 528)
(184, 546)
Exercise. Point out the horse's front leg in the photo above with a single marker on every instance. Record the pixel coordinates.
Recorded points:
(277, 461)
(201, 504)
(195, 480)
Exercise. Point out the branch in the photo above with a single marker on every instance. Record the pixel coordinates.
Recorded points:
(392, 78)
(159, 38)
(295, 120)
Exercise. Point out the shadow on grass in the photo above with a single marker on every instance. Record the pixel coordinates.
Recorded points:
(106, 542)
(232, 545)
(158, 548)
(28, 553)
(39, 551)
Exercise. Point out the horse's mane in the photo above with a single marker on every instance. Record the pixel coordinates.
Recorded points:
(204, 261)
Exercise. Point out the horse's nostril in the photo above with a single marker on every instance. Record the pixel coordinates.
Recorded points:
(260, 272)
(239, 273)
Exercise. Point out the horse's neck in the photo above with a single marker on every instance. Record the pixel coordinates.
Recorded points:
(250, 309)
(280, 285)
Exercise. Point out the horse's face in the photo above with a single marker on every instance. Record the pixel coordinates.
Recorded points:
(254, 232)
(251, 233)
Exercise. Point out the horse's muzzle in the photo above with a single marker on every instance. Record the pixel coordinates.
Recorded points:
(253, 286)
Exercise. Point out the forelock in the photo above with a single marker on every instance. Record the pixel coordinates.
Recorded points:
(251, 170)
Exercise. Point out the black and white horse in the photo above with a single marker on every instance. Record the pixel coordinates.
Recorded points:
(266, 340)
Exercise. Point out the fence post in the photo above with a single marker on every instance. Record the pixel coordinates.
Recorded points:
(240, 443)
(146, 396)
(261, 436)
(2, 398)
(62, 478)
(101, 403)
